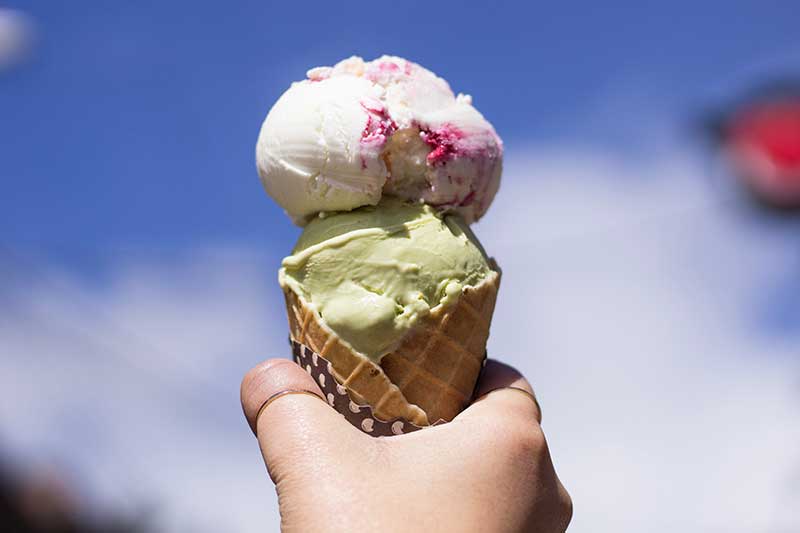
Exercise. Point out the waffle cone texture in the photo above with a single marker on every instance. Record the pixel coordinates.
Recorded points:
(432, 373)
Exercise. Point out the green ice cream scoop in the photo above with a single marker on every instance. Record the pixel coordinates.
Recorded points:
(372, 273)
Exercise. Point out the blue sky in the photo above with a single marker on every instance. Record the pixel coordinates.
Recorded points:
(133, 124)
(138, 251)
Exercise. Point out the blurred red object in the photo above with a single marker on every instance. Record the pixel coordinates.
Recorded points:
(762, 140)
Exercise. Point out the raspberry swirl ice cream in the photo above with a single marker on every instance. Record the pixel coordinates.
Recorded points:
(352, 133)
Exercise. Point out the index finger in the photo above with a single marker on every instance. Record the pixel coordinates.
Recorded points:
(502, 388)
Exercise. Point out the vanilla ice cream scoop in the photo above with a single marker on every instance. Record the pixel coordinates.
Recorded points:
(354, 132)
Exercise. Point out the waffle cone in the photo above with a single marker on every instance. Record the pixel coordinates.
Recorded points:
(430, 376)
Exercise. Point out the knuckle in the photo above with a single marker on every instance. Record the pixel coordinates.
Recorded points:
(531, 437)
(565, 501)
(526, 442)
(523, 410)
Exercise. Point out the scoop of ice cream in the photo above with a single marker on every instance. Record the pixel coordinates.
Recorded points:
(373, 272)
(351, 133)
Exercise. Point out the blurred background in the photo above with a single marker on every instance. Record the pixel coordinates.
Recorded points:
(651, 285)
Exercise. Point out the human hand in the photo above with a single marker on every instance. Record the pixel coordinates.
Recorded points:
(487, 470)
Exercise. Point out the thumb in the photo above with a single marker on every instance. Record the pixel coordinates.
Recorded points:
(287, 411)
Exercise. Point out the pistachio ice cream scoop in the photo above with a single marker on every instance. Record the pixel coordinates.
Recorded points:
(372, 273)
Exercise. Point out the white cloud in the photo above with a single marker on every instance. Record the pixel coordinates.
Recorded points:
(629, 299)
(16, 37)
(668, 406)
(133, 384)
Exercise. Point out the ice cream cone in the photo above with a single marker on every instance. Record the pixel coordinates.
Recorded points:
(430, 376)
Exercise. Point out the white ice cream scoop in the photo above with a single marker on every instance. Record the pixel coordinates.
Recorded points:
(353, 132)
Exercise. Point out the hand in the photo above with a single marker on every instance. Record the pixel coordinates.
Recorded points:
(487, 470)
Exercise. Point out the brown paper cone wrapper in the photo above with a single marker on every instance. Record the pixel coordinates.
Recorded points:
(340, 398)
(428, 379)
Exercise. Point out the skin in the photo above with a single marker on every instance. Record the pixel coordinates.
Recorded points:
(487, 470)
